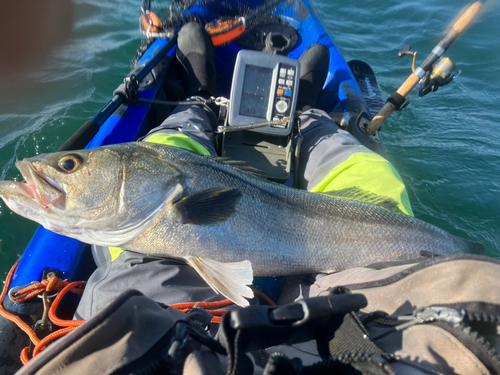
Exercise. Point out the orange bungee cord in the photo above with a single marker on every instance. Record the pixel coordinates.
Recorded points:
(23, 294)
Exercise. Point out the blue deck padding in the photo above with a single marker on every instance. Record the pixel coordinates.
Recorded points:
(48, 250)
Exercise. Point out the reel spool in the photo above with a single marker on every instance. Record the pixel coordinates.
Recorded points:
(442, 73)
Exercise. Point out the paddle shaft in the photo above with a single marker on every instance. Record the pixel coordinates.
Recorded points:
(421, 71)
(84, 135)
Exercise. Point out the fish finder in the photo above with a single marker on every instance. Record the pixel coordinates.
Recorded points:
(264, 89)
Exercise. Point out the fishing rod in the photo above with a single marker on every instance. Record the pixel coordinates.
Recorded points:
(84, 135)
(397, 100)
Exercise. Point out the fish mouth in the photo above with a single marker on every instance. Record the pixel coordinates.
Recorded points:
(39, 187)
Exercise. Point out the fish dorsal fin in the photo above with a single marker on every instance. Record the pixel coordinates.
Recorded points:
(208, 207)
(359, 194)
(228, 279)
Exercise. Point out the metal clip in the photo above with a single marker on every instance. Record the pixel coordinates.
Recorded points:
(443, 314)
(196, 129)
(15, 289)
(411, 321)
(222, 101)
(284, 120)
(432, 314)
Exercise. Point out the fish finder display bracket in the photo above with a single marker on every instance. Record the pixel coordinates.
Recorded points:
(264, 89)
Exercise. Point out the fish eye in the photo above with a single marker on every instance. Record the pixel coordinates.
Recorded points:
(70, 163)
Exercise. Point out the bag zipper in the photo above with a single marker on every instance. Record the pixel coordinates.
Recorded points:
(454, 321)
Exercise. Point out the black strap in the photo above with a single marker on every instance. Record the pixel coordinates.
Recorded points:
(231, 339)
(352, 337)
(194, 326)
(398, 100)
(128, 89)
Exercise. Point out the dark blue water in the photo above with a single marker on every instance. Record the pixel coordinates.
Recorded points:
(445, 146)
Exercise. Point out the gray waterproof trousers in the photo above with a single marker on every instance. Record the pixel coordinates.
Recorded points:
(171, 281)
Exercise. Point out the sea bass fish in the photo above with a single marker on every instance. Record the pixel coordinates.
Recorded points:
(226, 223)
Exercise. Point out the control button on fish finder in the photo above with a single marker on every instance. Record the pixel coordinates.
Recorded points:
(282, 73)
(281, 106)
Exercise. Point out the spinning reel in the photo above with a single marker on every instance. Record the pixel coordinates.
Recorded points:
(441, 74)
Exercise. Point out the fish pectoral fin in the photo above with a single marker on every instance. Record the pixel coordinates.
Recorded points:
(228, 279)
(208, 207)
(359, 194)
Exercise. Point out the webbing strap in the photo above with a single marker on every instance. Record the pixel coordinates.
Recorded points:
(351, 338)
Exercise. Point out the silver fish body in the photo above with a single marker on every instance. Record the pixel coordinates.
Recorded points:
(166, 201)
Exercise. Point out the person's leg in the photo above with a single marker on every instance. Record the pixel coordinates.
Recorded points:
(188, 127)
(196, 56)
(192, 126)
(331, 159)
(314, 64)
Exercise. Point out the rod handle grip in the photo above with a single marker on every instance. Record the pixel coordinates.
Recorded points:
(467, 18)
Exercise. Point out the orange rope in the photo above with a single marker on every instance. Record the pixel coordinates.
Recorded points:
(212, 306)
(209, 306)
(69, 325)
(49, 285)
(24, 356)
(14, 318)
(264, 296)
(204, 305)
(49, 338)
(216, 319)
(55, 283)
(52, 311)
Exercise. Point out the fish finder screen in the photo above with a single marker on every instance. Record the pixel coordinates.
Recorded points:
(256, 91)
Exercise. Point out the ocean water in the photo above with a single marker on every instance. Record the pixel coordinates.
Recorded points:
(445, 145)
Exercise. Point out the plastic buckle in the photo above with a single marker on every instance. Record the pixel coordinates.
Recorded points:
(265, 326)
(179, 340)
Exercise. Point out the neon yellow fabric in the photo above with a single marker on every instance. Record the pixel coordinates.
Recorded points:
(115, 252)
(178, 140)
(370, 172)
